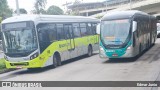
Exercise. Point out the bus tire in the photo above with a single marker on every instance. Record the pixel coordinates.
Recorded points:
(55, 63)
(90, 51)
(56, 60)
(59, 60)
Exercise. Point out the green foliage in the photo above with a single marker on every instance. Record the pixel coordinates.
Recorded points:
(22, 11)
(39, 6)
(54, 10)
(5, 11)
(2, 64)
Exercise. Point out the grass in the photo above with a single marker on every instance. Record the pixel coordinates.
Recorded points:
(2, 65)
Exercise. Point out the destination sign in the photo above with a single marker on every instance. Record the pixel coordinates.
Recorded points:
(9, 26)
(15, 25)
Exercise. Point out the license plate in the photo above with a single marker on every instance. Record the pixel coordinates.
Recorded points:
(114, 55)
(18, 67)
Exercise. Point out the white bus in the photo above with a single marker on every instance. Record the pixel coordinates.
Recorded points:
(32, 41)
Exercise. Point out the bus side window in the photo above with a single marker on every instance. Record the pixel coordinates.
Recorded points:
(76, 30)
(94, 27)
(68, 31)
(52, 32)
(60, 32)
(89, 29)
(83, 29)
(139, 28)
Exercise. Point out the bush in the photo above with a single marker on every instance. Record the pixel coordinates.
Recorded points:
(2, 64)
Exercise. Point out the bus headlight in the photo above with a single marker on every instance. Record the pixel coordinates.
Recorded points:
(34, 56)
(129, 48)
(101, 50)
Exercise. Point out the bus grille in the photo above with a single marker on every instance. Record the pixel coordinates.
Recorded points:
(19, 64)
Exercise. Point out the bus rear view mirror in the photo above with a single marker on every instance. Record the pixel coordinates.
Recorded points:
(98, 29)
(134, 26)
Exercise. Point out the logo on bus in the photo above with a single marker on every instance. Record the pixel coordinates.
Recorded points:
(110, 51)
(64, 45)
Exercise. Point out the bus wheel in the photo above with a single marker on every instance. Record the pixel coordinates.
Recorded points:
(55, 61)
(90, 51)
(59, 60)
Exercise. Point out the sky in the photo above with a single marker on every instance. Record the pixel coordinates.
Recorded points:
(29, 4)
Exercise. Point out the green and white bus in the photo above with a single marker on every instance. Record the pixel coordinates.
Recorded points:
(125, 34)
(33, 41)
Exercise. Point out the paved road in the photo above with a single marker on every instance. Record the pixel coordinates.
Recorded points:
(144, 68)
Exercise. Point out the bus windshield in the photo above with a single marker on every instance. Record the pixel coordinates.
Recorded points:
(20, 41)
(115, 32)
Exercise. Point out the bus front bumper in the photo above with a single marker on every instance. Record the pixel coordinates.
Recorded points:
(35, 63)
(128, 53)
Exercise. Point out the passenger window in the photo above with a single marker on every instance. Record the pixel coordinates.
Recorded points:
(83, 29)
(68, 31)
(52, 32)
(60, 32)
(76, 30)
(94, 26)
(89, 29)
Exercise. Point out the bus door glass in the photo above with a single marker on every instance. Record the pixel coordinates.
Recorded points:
(47, 35)
(69, 36)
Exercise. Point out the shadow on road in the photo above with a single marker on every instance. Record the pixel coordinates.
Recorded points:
(126, 60)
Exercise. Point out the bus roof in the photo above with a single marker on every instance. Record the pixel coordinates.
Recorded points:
(49, 18)
(121, 14)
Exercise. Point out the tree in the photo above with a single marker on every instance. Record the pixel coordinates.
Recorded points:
(75, 9)
(54, 10)
(39, 6)
(21, 10)
(5, 11)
